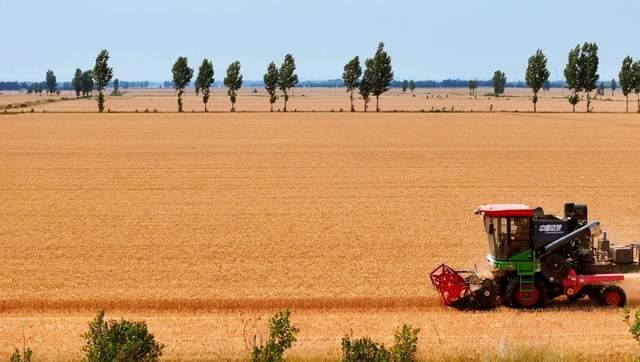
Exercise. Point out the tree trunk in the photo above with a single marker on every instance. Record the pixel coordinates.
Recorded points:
(627, 102)
(534, 107)
(286, 98)
(377, 104)
(351, 99)
(638, 94)
(271, 106)
(205, 107)
(588, 102)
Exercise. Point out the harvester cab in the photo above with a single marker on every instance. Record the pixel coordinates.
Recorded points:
(536, 257)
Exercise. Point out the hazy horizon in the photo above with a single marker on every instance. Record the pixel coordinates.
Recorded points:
(453, 40)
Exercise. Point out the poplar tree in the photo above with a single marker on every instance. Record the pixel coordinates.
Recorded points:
(271, 83)
(537, 75)
(182, 75)
(626, 78)
(102, 75)
(50, 79)
(205, 80)
(405, 85)
(381, 74)
(287, 78)
(365, 84)
(77, 82)
(412, 85)
(87, 83)
(572, 75)
(614, 85)
(499, 80)
(588, 63)
(351, 77)
(233, 81)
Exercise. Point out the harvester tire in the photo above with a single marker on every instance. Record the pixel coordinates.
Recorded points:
(555, 267)
(517, 299)
(612, 296)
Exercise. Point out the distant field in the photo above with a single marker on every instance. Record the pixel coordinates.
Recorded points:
(327, 99)
(197, 222)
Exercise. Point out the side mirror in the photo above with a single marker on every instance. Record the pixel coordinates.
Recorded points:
(492, 229)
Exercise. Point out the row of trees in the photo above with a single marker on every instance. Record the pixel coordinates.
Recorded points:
(84, 82)
(376, 78)
(581, 74)
(283, 79)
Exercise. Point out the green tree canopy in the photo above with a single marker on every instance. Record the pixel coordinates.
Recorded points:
(405, 85)
(271, 83)
(537, 74)
(182, 75)
(87, 83)
(499, 81)
(287, 78)
(205, 80)
(52, 84)
(233, 81)
(102, 75)
(351, 77)
(412, 85)
(614, 85)
(77, 82)
(116, 87)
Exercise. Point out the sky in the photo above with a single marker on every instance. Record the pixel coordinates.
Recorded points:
(426, 39)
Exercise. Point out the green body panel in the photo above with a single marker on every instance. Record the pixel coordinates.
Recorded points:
(524, 263)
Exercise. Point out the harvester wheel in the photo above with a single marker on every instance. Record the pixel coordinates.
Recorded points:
(612, 295)
(518, 298)
(555, 267)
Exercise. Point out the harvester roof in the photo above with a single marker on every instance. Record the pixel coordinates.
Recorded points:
(505, 210)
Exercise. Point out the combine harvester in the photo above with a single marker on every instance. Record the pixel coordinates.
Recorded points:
(538, 257)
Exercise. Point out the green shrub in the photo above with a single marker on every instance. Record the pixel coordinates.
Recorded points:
(634, 326)
(404, 349)
(363, 349)
(282, 335)
(24, 356)
(120, 341)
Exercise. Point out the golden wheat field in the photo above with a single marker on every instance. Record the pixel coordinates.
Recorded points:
(205, 224)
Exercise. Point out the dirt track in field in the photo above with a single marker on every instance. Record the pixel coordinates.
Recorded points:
(205, 218)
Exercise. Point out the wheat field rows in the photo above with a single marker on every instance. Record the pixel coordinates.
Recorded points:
(199, 223)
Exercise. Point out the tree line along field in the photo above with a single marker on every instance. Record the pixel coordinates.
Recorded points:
(321, 100)
(199, 223)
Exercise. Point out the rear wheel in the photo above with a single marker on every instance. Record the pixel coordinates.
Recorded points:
(612, 295)
(519, 298)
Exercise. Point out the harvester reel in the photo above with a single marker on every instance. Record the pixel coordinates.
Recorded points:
(555, 267)
(470, 292)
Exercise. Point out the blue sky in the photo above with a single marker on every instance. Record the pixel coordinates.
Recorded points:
(426, 40)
